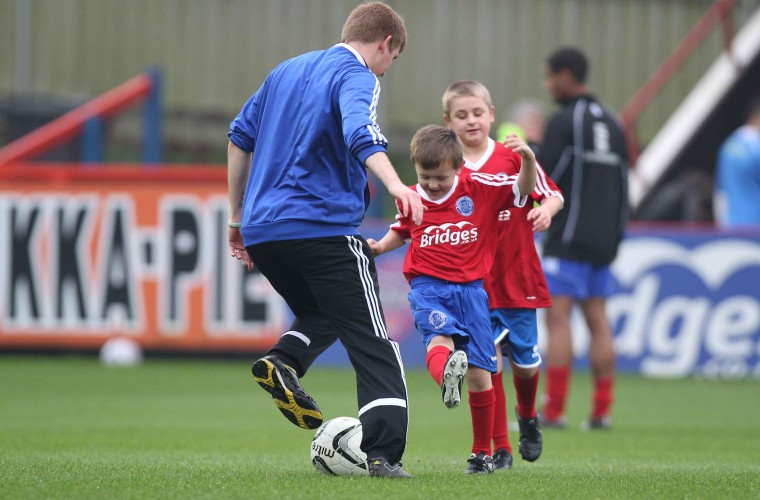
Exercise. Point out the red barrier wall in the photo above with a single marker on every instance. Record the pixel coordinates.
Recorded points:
(90, 252)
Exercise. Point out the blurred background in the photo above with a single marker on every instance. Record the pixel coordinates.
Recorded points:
(131, 174)
(56, 54)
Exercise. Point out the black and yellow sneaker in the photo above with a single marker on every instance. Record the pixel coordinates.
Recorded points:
(380, 467)
(280, 380)
(502, 459)
(479, 464)
(453, 376)
(531, 442)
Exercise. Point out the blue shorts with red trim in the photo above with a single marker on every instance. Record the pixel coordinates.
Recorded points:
(456, 310)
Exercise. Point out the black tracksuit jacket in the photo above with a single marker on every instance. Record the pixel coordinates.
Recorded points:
(585, 153)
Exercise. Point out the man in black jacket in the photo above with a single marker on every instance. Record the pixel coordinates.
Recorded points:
(585, 153)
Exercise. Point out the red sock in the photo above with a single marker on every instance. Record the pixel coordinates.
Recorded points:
(526, 395)
(436, 362)
(602, 399)
(555, 392)
(499, 434)
(481, 409)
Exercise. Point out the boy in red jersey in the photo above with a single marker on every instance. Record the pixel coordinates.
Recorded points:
(516, 285)
(449, 255)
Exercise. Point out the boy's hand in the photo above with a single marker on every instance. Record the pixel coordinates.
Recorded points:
(518, 146)
(375, 247)
(541, 218)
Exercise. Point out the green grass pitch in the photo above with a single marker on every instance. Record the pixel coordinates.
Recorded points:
(70, 428)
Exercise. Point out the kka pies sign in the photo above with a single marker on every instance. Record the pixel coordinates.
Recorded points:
(88, 253)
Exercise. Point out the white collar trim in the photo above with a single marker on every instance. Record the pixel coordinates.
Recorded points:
(354, 51)
(448, 195)
(483, 158)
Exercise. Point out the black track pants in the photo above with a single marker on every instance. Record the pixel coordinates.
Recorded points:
(331, 286)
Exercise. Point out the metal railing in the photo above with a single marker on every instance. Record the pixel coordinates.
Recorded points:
(87, 121)
(718, 13)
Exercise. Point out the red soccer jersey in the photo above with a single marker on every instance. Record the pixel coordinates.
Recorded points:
(458, 236)
(516, 279)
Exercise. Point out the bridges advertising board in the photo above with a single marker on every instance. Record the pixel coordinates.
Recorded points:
(689, 302)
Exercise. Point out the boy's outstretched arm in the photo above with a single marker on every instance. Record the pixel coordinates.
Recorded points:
(391, 241)
(526, 179)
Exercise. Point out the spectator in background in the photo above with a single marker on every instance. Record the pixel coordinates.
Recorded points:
(737, 195)
(526, 119)
(584, 152)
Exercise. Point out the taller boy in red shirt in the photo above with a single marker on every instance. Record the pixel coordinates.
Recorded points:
(516, 285)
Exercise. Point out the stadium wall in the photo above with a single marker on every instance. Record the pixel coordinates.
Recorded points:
(88, 252)
(215, 53)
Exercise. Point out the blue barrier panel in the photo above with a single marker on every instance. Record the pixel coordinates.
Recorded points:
(687, 303)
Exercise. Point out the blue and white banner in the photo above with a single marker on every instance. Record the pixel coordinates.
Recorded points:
(687, 303)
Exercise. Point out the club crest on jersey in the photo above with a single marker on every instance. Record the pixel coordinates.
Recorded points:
(465, 206)
(437, 319)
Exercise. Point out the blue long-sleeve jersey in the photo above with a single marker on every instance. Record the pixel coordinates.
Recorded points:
(311, 126)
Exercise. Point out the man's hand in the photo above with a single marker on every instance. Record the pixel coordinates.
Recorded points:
(411, 202)
(237, 248)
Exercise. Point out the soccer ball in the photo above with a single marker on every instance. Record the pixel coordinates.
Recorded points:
(335, 448)
(121, 351)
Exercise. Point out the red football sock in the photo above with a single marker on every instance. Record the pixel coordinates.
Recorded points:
(499, 435)
(602, 399)
(526, 395)
(481, 409)
(436, 362)
(555, 393)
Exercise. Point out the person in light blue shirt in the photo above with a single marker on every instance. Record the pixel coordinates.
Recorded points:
(737, 196)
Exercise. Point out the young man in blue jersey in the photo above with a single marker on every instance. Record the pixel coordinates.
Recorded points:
(297, 172)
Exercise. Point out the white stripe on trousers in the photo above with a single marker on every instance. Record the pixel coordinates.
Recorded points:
(373, 301)
(382, 402)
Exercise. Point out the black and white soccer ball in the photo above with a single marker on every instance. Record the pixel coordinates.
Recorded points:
(335, 448)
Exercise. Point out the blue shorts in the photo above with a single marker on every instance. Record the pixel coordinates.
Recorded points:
(516, 330)
(456, 310)
(579, 280)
